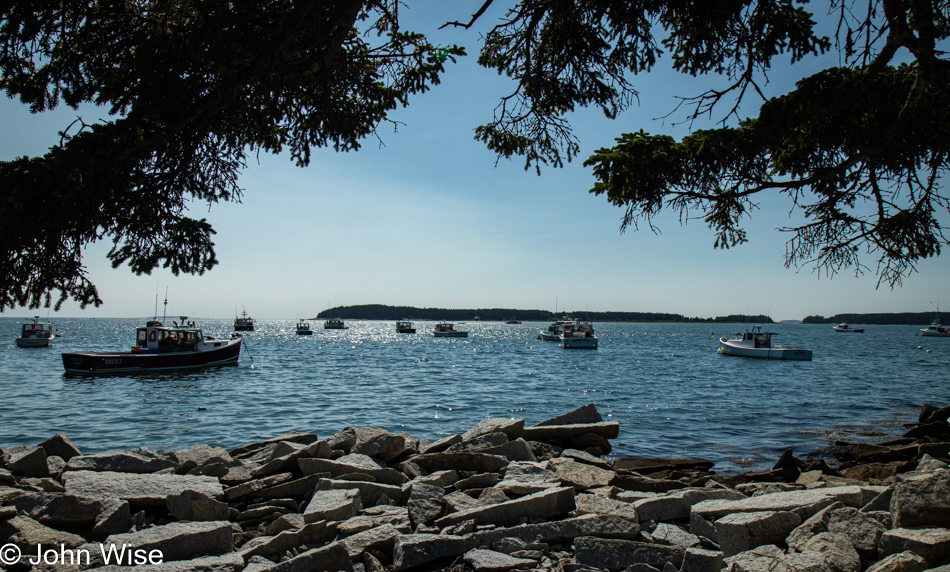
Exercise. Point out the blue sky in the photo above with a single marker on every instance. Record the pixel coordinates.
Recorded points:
(428, 219)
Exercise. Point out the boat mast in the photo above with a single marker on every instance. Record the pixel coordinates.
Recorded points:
(165, 309)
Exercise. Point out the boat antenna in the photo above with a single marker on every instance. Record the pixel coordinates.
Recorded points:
(165, 309)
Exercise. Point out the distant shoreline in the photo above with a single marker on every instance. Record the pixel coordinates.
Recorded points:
(384, 312)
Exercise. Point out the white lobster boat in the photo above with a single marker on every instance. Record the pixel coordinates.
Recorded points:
(447, 330)
(578, 335)
(758, 344)
(844, 327)
(35, 334)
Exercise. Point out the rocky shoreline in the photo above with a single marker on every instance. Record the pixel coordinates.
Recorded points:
(499, 497)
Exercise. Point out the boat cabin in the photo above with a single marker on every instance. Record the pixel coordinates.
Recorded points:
(37, 329)
(157, 338)
(758, 338)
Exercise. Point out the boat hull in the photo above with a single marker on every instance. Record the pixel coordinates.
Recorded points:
(934, 333)
(549, 337)
(765, 353)
(587, 343)
(304, 332)
(238, 328)
(851, 330)
(33, 342)
(406, 331)
(122, 362)
(450, 334)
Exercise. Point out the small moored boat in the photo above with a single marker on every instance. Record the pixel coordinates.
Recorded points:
(578, 335)
(243, 323)
(303, 328)
(844, 327)
(758, 344)
(35, 334)
(935, 329)
(554, 330)
(405, 327)
(447, 330)
(334, 324)
(157, 348)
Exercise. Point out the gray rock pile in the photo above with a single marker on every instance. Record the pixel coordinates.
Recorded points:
(499, 497)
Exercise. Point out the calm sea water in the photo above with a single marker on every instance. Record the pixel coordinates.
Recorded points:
(672, 394)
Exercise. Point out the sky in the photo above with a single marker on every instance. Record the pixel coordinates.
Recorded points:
(428, 217)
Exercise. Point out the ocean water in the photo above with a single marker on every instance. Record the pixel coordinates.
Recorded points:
(672, 394)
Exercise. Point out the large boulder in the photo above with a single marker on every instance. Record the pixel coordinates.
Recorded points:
(922, 500)
(177, 540)
(128, 461)
(744, 531)
(151, 489)
(551, 503)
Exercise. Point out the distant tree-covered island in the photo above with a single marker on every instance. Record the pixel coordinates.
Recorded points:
(383, 312)
(909, 318)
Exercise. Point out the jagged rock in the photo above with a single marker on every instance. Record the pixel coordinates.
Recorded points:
(333, 504)
(479, 443)
(901, 562)
(286, 459)
(178, 540)
(319, 532)
(742, 531)
(343, 440)
(585, 414)
(790, 466)
(928, 464)
(837, 551)
(293, 521)
(931, 544)
(702, 527)
(478, 462)
(257, 485)
(349, 464)
(330, 558)
(594, 504)
(194, 505)
(676, 505)
(294, 488)
(129, 461)
(634, 482)
(28, 463)
(880, 502)
(513, 428)
(522, 477)
(441, 444)
(546, 504)
(608, 430)
(862, 530)
(804, 503)
(922, 500)
(414, 550)
(60, 446)
(378, 443)
(490, 561)
(370, 493)
(115, 518)
(581, 476)
(586, 458)
(200, 455)
(701, 560)
(379, 538)
(268, 445)
(614, 554)
(654, 465)
(771, 559)
(426, 503)
(26, 534)
(673, 535)
(813, 525)
(57, 509)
